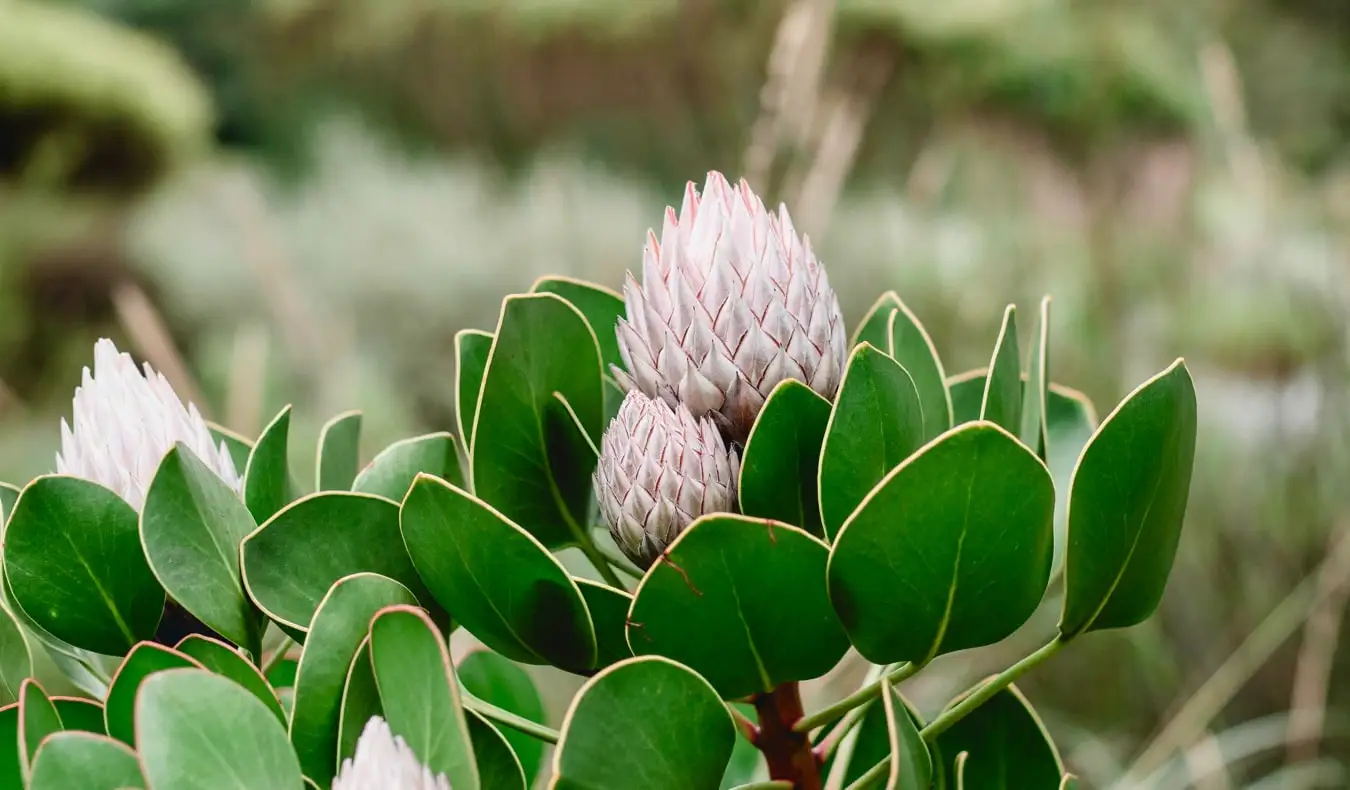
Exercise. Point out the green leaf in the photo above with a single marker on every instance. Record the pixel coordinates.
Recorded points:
(360, 702)
(609, 613)
(499, 682)
(226, 661)
(419, 692)
(9, 494)
(528, 461)
(16, 657)
(267, 478)
(73, 559)
(1126, 506)
(339, 628)
(1001, 403)
(240, 744)
(1008, 746)
(11, 756)
(85, 761)
(191, 528)
(780, 466)
(910, 345)
(239, 447)
(498, 766)
(742, 602)
(601, 307)
(392, 472)
(618, 735)
(958, 538)
(911, 765)
(877, 423)
(504, 586)
(875, 329)
(287, 574)
(872, 741)
(80, 714)
(1032, 433)
(37, 719)
(144, 660)
(339, 456)
(472, 347)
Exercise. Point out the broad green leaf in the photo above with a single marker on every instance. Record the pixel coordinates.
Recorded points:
(291, 561)
(16, 657)
(339, 628)
(780, 466)
(1008, 746)
(191, 528)
(872, 741)
(609, 613)
(1126, 506)
(876, 424)
(226, 661)
(237, 446)
(9, 494)
(80, 714)
(497, 681)
(1032, 433)
(73, 559)
(875, 328)
(910, 345)
(472, 347)
(71, 661)
(392, 472)
(144, 660)
(911, 765)
(37, 719)
(267, 478)
(502, 584)
(1002, 399)
(498, 766)
(742, 602)
(419, 693)
(360, 702)
(239, 745)
(528, 461)
(601, 307)
(618, 735)
(11, 753)
(958, 539)
(339, 455)
(85, 761)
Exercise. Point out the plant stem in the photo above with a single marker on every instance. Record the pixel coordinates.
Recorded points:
(601, 564)
(787, 752)
(277, 655)
(506, 718)
(980, 694)
(618, 561)
(893, 675)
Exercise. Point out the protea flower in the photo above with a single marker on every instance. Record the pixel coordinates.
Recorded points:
(124, 424)
(660, 468)
(732, 302)
(383, 761)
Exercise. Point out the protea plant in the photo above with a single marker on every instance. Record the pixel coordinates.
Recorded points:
(384, 761)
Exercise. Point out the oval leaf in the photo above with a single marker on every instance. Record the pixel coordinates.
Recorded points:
(84, 761)
(16, 657)
(609, 613)
(911, 765)
(617, 733)
(499, 682)
(876, 325)
(528, 461)
(143, 661)
(225, 661)
(950, 551)
(506, 589)
(601, 307)
(472, 347)
(241, 744)
(780, 466)
(267, 478)
(911, 346)
(80, 714)
(359, 533)
(1007, 745)
(1001, 402)
(360, 702)
(1032, 433)
(191, 528)
(1126, 506)
(498, 766)
(419, 693)
(392, 472)
(73, 559)
(37, 719)
(339, 455)
(742, 602)
(876, 424)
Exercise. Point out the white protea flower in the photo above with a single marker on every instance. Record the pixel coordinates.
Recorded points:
(660, 468)
(383, 761)
(124, 424)
(732, 302)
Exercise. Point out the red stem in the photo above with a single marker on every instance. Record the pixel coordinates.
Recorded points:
(788, 753)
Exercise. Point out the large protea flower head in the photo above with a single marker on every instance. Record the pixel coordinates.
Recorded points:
(383, 761)
(660, 468)
(732, 302)
(125, 422)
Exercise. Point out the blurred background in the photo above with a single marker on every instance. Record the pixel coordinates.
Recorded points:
(300, 201)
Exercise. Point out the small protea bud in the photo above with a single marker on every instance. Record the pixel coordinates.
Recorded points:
(124, 424)
(660, 468)
(732, 302)
(383, 761)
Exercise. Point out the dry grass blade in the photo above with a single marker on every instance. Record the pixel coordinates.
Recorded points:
(1316, 660)
(150, 335)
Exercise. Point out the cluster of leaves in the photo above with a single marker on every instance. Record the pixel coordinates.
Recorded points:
(912, 517)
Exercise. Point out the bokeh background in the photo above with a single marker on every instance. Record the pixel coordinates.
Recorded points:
(300, 201)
